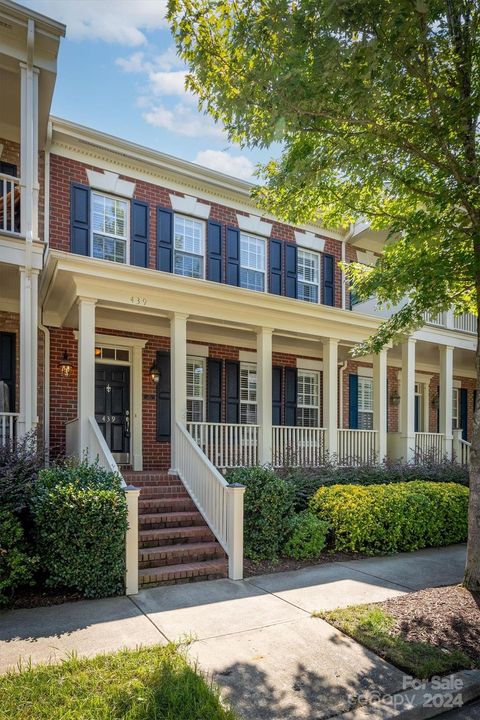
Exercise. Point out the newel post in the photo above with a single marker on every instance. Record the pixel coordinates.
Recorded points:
(131, 541)
(235, 493)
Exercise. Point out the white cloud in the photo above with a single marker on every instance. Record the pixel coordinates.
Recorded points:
(168, 83)
(182, 120)
(115, 21)
(138, 62)
(237, 165)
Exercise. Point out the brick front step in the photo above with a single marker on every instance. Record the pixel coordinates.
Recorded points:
(162, 491)
(164, 555)
(170, 519)
(155, 537)
(165, 504)
(184, 572)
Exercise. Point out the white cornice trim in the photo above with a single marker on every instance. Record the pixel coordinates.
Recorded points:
(190, 206)
(116, 340)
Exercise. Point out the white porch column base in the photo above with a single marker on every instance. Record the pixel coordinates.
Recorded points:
(235, 493)
(380, 402)
(264, 395)
(131, 541)
(446, 396)
(407, 425)
(330, 393)
(178, 372)
(86, 369)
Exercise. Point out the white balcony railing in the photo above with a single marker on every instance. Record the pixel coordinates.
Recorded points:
(227, 445)
(429, 444)
(439, 320)
(8, 425)
(465, 323)
(356, 447)
(9, 203)
(298, 446)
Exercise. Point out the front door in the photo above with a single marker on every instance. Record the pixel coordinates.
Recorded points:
(112, 408)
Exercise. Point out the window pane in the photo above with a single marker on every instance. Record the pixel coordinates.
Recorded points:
(252, 280)
(365, 420)
(365, 394)
(122, 355)
(308, 266)
(248, 414)
(308, 292)
(307, 417)
(194, 410)
(188, 235)
(188, 265)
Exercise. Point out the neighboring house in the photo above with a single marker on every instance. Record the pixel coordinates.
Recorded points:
(144, 299)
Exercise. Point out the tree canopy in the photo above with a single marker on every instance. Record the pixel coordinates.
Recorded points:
(375, 104)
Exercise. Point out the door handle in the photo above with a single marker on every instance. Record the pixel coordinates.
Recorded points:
(127, 423)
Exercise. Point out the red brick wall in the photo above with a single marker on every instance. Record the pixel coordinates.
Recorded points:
(64, 171)
(11, 153)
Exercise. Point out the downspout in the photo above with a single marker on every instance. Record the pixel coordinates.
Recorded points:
(343, 366)
(348, 235)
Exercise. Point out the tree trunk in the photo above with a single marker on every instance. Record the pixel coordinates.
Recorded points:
(472, 568)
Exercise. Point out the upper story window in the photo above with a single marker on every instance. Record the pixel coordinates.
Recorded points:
(365, 403)
(308, 270)
(109, 228)
(455, 409)
(189, 243)
(248, 394)
(195, 389)
(308, 398)
(252, 262)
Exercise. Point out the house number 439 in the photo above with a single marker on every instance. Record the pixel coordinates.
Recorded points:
(135, 300)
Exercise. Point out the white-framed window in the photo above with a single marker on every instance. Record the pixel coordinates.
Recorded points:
(195, 389)
(308, 272)
(248, 394)
(308, 398)
(189, 246)
(455, 409)
(365, 403)
(110, 223)
(252, 262)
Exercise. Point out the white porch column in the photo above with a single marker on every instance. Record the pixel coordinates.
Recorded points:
(445, 396)
(29, 188)
(264, 394)
(28, 351)
(330, 393)
(178, 371)
(407, 426)
(86, 369)
(380, 402)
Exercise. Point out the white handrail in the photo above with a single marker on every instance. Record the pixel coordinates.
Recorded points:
(356, 447)
(9, 201)
(298, 446)
(227, 445)
(465, 448)
(427, 443)
(220, 504)
(8, 423)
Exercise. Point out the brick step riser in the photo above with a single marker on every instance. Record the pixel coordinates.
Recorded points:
(180, 538)
(178, 559)
(170, 525)
(182, 581)
(156, 484)
(165, 505)
(168, 574)
(164, 491)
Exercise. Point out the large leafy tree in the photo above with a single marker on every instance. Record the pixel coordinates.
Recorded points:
(376, 104)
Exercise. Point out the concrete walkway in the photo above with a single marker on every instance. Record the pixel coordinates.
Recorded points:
(256, 637)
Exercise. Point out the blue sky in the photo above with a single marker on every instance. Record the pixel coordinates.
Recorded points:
(118, 72)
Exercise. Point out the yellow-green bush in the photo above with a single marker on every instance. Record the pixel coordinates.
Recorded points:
(395, 517)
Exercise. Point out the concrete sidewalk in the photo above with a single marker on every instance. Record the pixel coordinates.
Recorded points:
(255, 637)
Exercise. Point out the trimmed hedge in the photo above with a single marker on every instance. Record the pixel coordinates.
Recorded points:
(17, 562)
(267, 510)
(80, 520)
(393, 518)
(307, 536)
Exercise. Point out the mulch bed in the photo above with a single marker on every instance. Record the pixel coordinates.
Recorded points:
(448, 617)
(34, 599)
(251, 568)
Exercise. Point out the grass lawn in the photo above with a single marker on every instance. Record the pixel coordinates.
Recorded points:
(154, 683)
(375, 628)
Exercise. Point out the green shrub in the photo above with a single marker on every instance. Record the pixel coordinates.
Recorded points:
(20, 464)
(267, 510)
(80, 518)
(17, 564)
(395, 517)
(306, 536)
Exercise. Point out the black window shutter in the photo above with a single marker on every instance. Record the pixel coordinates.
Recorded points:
(8, 168)
(214, 390)
(464, 412)
(291, 270)
(233, 256)
(353, 402)
(164, 239)
(276, 269)
(277, 377)
(163, 397)
(80, 219)
(291, 396)
(139, 242)
(215, 255)
(232, 368)
(7, 368)
(329, 280)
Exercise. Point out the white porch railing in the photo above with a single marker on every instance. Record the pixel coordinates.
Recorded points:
(356, 447)
(465, 448)
(9, 203)
(298, 446)
(220, 504)
(432, 444)
(439, 320)
(465, 323)
(97, 450)
(8, 424)
(227, 445)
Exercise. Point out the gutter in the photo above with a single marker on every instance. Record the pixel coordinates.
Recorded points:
(46, 388)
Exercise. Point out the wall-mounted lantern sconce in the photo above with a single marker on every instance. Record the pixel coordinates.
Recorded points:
(155, 374)
(395, 398)
(435, 401)
(65, 365)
